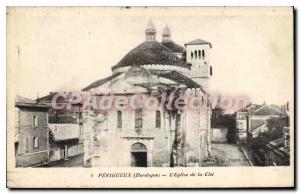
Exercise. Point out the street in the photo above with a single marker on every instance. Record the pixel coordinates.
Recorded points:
(74, 161)
(230, 154)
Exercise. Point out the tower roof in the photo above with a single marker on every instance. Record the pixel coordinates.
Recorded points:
(166, 30)
(197, 42)
(150, 26)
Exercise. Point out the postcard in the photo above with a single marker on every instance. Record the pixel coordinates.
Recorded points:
(150, 97)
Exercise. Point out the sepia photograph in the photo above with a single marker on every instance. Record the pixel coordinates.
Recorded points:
(168, 97)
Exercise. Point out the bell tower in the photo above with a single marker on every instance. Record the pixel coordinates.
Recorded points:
(198, 54)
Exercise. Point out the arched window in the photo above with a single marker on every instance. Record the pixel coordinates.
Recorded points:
(192, 55)
(119, 119)
(35, 142)
(196, 54)
(34, 121)
(199, 54)
(203, 54)
(138, 118)
(157, 119)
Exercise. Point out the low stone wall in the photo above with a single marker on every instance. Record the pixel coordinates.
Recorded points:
(32, 159)
(219, 135)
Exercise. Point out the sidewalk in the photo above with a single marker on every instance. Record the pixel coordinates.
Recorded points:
(74, 161)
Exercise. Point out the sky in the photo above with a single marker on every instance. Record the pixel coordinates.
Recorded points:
(66, 49)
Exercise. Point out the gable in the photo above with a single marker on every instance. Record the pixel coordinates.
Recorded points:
(267, 110)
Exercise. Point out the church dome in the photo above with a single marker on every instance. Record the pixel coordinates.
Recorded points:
(176, 48)
(151, 52)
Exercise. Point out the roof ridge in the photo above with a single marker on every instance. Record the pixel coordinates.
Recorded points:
(21, 99)
(100, 82)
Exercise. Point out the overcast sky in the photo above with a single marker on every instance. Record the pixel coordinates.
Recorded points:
(51, 49)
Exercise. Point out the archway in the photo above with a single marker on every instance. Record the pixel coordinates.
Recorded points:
(138, 155)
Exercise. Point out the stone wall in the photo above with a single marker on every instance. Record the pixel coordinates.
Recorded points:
(219, 135)
(32, 159)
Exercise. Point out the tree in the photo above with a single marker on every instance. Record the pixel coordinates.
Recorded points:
(216, 116)
(277, 123)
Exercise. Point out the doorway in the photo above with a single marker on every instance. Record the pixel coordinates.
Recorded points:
(64, 152)
(138, 155)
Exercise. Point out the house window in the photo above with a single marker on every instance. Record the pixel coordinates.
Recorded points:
(138, 118)
(35, 142)
(192, 55)
(203, 54)
(34, 121)
(210, 70)
(119, 119)
(199, 54)
(196, 54)
(157, 119)
(26, 144)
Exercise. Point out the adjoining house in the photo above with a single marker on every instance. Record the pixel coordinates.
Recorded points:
(66, 130)
(252, 120)
(265, 133)
(31, 133)
(278, 151)
(241, 126)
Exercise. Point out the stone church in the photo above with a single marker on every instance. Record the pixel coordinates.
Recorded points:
(161, 136)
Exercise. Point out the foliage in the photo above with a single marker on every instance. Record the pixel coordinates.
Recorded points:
(216, 117)
(277, 123)
(264, 138)
(221, 120)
